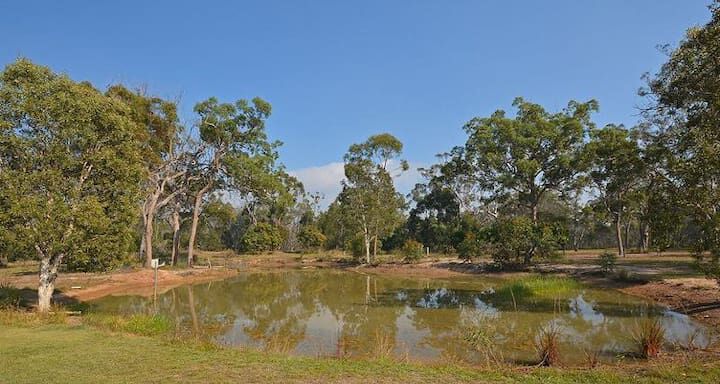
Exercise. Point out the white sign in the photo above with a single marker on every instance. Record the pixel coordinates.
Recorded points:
(155, 263)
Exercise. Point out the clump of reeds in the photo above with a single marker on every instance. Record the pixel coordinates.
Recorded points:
(343, 345)
(481, 339)
(592, 357)
(280, 343)
(384, 345)
(649, 337)
(547, 345)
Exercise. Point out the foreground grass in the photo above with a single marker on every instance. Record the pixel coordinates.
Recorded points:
(33, 351)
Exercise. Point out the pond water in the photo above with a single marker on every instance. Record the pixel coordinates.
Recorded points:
(321, 312)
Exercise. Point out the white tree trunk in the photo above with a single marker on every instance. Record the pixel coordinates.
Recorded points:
(176, 237)
(195, 219)
(46, 286)
(619, 237)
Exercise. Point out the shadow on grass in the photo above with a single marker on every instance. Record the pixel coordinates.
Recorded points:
(26, 299)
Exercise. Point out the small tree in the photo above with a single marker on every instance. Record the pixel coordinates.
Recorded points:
(607, 261)
(311, 238)
(412, 250)
(370, 205)
(518, 239)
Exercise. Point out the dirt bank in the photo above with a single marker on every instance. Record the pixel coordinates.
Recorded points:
(697, 297)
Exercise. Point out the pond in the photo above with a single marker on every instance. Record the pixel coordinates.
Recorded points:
(342, 313)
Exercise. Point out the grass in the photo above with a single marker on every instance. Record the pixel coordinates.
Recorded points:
(539, 286)
(547, 345)
(144, 325)
(649, 337)
(60, 353)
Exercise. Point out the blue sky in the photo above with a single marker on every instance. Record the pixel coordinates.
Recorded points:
(339, 71)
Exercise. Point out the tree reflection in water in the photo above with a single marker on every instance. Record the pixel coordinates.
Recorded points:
(344, 313)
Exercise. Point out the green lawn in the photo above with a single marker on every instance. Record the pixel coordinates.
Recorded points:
(80, 354)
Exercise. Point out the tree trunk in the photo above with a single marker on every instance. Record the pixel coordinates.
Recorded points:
(141, 252)
(176, 237)
(534, 213)
(644, 237)
(627, 236)
(618, 236)
(375, 241)
(46, 286)
(149, 209)
(195, 219)
(149, 230)
(367, 248)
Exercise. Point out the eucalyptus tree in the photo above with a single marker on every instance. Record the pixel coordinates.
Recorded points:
(70, 170)
(514, 163)
(368, 199)
(617, 171)
(160, 139)
(525, 157)
(234, 153)
(686, 111)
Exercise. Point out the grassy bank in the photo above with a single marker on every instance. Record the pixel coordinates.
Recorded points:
(55, 351)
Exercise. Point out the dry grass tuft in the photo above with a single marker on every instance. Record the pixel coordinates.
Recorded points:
(547, 345)
(649, 337)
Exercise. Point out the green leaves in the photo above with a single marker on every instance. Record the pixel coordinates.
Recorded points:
(525, 156)
(73, 188)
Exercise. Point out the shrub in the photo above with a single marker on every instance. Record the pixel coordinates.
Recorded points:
(471, 246)
(356, 246)
(311, 238)
(607, 261)
(649, 337)
(412, 250)
(261, 237)
(481, 339)
(547, 346)
(518, 240)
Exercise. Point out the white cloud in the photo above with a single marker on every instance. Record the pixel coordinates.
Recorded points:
(326, 179)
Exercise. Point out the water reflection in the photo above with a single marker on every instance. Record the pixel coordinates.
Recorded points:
(342, 313)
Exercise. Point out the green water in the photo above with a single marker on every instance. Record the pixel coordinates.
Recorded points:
(321, 313)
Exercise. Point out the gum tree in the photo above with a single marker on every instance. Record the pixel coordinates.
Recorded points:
(70, 168)
(617, 171)
(527, 156)
(159, 139)
(234, 153)
(518, 161)
(369, 200)
(685, 109)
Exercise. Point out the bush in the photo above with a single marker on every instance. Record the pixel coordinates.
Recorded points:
(471, 246)
(261, 237)
(311, 239)
(356, 246)
(547, 346)
(412, 250)
(608, 262)
(518, 240)
(649, 337)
